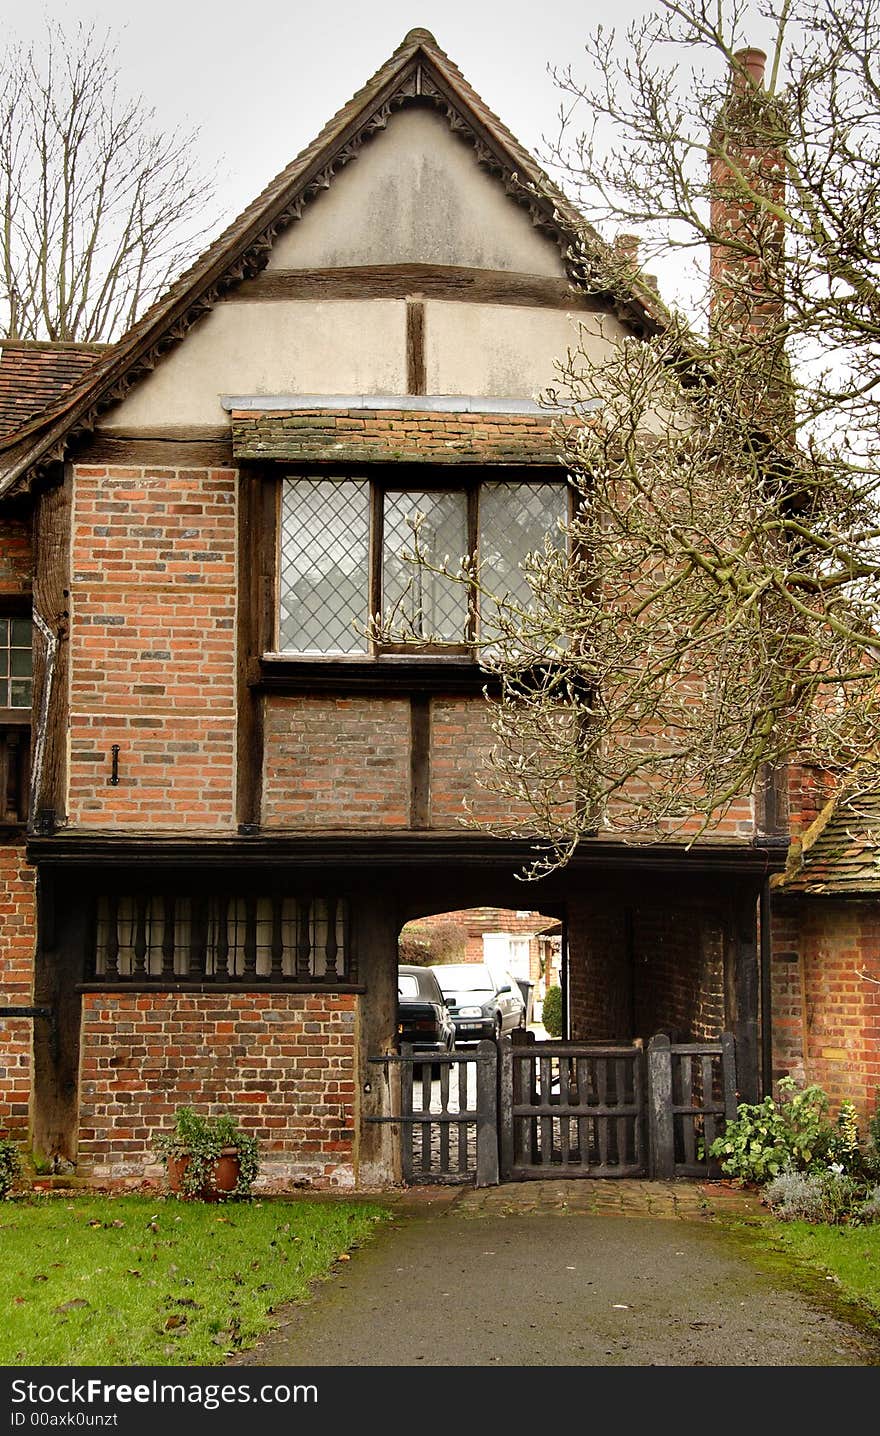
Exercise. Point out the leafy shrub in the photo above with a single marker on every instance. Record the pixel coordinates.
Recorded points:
(769, 1137)
(10, 1165)
(551, 1013)
(424, 944)
(869, 1211)
(826, 1196)
(200, 1142)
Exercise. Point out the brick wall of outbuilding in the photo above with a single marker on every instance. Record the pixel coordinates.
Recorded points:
(283, 1063)
(826, 998)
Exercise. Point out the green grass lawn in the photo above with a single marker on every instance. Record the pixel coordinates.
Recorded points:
(131, 1281)
(850, 1254)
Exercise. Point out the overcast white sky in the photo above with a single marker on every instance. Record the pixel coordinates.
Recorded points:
(260, 79)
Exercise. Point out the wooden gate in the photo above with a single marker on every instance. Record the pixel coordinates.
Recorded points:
(524, 1109)
(572, 1109)
(448, 1121)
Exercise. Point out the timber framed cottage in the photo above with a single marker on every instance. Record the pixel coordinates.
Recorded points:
(222, 799)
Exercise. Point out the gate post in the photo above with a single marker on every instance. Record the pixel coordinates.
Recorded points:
(487, 1114)
(407, 1130)
(661, 1133)
(728, 1074)
(505, 1108)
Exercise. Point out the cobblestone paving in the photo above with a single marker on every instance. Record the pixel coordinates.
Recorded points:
(687, 1200)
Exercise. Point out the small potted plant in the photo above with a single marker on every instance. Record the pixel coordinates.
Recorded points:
(208, 1159)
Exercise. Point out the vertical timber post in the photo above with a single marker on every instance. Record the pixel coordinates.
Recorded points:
(661, 1133)
(505, 1108)
(487, 1119)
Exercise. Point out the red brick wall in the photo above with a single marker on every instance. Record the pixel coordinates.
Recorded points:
(282, 1063)
(461, 740)
(826, 999)
(337, 763)
(600, 991)
(17, 927)
(16, 555)
(664, 970)
(679, 971)
(152, 647)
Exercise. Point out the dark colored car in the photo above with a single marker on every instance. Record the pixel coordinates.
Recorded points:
(422, 1015)
(481, 1004)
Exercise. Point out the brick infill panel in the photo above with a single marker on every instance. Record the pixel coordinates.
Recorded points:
(397, 436)
(282, 1063)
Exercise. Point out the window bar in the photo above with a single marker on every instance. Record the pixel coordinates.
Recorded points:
(7, 760)
(199, 940)
(139, 966)
(168, 939)
(222, 969)
(473, 532)
(303, 946)
(277, 970)
(377, 527)
(332, 947)
(250, 937)
(112, 959)
(349, 936)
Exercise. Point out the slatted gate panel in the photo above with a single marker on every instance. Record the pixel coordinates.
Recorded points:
(572, 1110)
(448, 1115)
(692, 1094)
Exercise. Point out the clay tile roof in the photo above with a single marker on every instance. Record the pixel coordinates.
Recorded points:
(839, 855)
(34, 375)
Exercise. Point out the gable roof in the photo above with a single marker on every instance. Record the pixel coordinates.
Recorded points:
(35, 374)
(418, 72)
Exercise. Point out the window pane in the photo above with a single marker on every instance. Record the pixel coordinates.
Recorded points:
(514, 519)
(325, 540)
(417, 604)
(16, 663)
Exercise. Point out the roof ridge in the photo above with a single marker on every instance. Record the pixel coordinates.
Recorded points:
(79, 345)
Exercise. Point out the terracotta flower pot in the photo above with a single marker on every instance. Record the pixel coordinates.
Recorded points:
(221, 1181)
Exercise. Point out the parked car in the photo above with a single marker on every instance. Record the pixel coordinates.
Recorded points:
(481, 1005)
(422, 1015)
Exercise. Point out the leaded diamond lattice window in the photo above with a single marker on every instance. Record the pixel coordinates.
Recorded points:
(325, 554)
(514, 520)
(419, 603)
(347, 550)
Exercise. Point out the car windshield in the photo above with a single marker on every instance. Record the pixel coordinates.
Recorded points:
(465, 977)
(407, 985)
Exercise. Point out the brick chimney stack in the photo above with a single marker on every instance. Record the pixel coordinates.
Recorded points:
(745, 266)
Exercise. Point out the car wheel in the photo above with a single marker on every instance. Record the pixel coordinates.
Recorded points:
(498, 1026)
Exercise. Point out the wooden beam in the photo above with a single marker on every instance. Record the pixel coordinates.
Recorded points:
(51, 618)
(416, 372)
(257, 529)
(420, 760)
(399, 281)
(196, 448)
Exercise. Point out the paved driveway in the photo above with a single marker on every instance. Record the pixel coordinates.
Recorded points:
(564, 1274)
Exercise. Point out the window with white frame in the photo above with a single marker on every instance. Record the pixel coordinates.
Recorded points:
(347, 545)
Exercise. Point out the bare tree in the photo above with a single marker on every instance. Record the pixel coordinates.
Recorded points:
(713, 612)
(99, 208)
